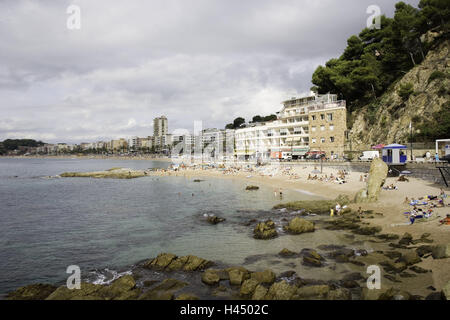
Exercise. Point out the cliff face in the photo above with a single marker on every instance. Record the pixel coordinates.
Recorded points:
(387, 121)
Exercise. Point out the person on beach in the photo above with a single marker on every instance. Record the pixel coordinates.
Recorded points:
(445, 221)
(338, 209)
(360, 212)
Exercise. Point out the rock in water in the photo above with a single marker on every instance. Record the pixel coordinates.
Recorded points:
(441, 251)
(265, 230)
(252, 188)
(299, 225)
(214, 219)
(377, 177)
(32, 292)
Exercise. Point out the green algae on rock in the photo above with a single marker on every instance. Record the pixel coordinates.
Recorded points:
(113, 173)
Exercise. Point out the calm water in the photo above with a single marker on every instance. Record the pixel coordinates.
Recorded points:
(47, 224)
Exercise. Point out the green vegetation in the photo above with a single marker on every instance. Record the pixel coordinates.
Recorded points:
(435, 127)
(13, 144)
(237, 123)
(258, 118)
(437, 75)
(405, 90)
(376, 58)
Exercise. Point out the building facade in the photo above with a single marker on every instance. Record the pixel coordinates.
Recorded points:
(291, 132)
(160, 126)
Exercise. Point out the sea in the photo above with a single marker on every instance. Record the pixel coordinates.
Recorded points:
(48, 223)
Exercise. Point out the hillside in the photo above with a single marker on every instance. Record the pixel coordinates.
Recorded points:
(421, 96)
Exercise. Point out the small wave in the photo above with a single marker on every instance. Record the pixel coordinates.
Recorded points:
(106, 276)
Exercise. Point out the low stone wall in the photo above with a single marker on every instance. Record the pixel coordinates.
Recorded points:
(425, 171)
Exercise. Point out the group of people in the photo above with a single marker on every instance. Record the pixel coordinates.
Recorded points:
(423, 207)
(390, 187)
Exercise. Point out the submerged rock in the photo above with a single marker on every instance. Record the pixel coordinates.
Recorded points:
(406, 239)
(299, 225)
(441, 251)
(312, 258)
(286, 253)
(265, 230)
(252, 188)
(214, 219)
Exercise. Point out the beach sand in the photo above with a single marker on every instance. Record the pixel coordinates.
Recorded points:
(390, 203)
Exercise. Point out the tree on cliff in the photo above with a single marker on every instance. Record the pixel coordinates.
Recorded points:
(376, 58)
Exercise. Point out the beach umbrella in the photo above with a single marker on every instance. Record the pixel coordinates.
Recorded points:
(379, 146)
(405, 172)
(315, 171)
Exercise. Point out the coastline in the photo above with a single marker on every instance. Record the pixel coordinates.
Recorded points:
(388, 210)
(89, 157)
(390, 204)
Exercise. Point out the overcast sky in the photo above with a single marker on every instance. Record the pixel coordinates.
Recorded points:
(135, 60)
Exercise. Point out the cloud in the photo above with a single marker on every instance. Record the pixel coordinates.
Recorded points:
(135, 60)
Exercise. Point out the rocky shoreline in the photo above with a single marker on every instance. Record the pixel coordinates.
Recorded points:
(169, 276)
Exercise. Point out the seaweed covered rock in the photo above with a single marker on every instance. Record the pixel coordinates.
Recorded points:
(265, 230)
(312, 258)
(266, 276)
(215, 219)
(113, 173)
(299, 225)
(286, 253)
(252, 188)
(170, 262)
(237, 275)
(281, 291)
(314, 206)
(36, 291)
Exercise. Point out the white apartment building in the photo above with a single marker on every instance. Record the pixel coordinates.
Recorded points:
(289, 133)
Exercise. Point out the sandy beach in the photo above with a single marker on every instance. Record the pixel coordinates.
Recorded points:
(391, 203)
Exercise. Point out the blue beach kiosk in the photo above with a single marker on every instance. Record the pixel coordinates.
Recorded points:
(394, 154)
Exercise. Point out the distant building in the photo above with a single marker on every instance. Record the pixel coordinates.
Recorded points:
(311, 123)
(160, 126)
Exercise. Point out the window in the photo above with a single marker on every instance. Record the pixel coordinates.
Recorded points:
(330, 116)
(322, 117)
(331, 127)
(322, 128)
(313, 129)
(322, 140)
(331, 139)
(313, 117)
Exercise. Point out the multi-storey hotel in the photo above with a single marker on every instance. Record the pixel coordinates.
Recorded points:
(312, 123)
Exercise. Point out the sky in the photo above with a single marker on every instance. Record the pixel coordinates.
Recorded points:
(190, 60)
